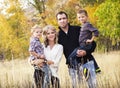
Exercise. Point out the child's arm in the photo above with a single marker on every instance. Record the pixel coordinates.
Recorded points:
(91, 40)
(42, 56)
(94, 31)
(39, 61)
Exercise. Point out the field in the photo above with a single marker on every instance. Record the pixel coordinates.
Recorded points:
(18, 74)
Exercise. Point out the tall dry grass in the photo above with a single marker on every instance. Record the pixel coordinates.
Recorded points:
(18, 74)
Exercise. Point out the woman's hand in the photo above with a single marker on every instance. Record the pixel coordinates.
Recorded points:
(38, 62)
(49, 62)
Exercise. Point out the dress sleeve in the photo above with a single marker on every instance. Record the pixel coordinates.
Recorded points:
(58, 55)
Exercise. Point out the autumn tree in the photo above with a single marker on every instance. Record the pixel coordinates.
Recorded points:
(108, 22)
(85, 3)
(15, 36)
(39, 5)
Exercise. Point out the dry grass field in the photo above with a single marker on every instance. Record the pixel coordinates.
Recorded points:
(18, 74)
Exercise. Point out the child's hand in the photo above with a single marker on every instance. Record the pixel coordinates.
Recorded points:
(40, 64)
(42, 56)
(38, 61)
(88, 41)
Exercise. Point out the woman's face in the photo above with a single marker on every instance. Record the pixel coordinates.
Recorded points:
(51, 35)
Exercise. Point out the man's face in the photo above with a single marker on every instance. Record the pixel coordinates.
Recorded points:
(62, 20)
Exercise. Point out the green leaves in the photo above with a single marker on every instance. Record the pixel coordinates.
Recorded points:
(109, 20)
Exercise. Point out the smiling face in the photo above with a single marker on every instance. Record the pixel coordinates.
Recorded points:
(37, 33)
(50, 35)
(82, 18)
(62, 20)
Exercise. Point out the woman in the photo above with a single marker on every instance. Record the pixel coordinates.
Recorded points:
(37, 58)
(53, 53)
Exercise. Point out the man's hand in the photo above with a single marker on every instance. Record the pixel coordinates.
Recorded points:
(81, 53)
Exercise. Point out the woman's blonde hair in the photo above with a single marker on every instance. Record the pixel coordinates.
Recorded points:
(35, 27)
(45, 30)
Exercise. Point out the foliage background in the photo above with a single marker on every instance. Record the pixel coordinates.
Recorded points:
(16, 20)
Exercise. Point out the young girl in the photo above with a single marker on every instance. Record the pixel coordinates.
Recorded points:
(37, 58)
(53, 52)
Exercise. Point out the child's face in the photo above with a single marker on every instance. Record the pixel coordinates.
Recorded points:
(82, 18)
(37, 33)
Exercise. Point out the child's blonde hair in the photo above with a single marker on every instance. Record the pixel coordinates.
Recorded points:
(35, 27)
(45, 29)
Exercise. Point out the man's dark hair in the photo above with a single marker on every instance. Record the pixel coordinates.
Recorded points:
(82, 11)
(61, 12)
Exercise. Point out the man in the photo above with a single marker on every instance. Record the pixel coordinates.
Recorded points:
(69, 38)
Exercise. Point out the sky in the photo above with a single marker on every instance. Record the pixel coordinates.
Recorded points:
(1, 1)
(2, 6)
(23, 3)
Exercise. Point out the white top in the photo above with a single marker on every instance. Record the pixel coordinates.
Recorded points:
(55, 55)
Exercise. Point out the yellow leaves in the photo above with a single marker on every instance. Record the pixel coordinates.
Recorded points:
(13, 31)
(73, 4)
(12, 9)
(51, 3)
(8, 39)
(12, 6)
(5, 33)
(91, 11)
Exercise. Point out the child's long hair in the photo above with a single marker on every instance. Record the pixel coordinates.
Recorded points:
(45, 29)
